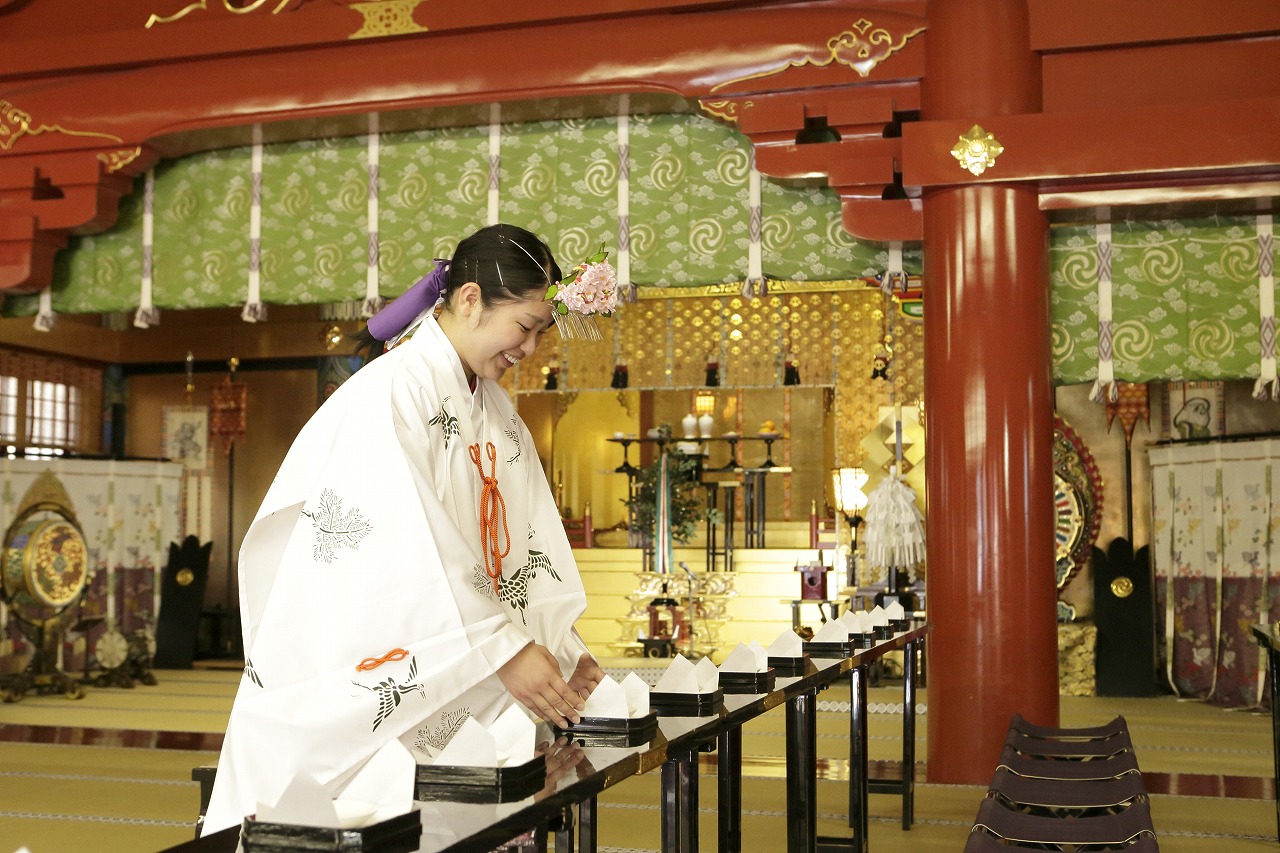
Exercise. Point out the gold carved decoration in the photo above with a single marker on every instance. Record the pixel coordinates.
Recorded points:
(16, 123)
(862, 48)
(726, 110)
(977, 150)
(387, 18)
(117, 160)
(202, 5)
(1122, 587)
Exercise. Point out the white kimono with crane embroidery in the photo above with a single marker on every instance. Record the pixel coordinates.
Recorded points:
(367, 612)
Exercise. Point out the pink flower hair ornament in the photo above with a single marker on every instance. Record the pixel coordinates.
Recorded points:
(589, 289)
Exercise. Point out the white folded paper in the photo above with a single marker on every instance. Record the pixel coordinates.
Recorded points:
(895, 611)
(857, 621)
(508, 740)
(787, 645)
(879, 618)
(682, 676)
(613, 701)
(834, 631)
(746, 657)
(382, 789)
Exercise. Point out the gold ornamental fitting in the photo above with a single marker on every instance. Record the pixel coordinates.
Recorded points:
(977, 150)
(1122, 587)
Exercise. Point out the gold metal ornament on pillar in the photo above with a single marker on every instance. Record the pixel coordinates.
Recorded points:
(977, 150)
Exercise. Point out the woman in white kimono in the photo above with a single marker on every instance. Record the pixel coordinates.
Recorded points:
(408, 567)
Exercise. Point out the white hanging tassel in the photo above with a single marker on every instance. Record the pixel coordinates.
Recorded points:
(253, 310)
(626, 290)
(894, 535)
(147, 314)
(1104, 387)
(895, 278)
(755, 284)
(1266, 310)
(372, 301)
(495, 161)
(45, 318)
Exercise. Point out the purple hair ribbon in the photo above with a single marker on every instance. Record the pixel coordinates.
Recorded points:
(402, 310)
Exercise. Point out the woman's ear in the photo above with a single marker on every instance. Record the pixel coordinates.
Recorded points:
(470, 300)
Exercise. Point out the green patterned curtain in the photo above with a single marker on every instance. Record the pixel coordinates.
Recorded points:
(1184, 300)
(1185, 293)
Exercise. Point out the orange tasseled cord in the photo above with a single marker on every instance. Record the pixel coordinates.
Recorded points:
(492, 510)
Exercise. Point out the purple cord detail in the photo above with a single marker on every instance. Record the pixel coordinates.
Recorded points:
(399, 313)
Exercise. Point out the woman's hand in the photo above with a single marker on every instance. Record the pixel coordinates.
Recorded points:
(533, 677)
(586, 676)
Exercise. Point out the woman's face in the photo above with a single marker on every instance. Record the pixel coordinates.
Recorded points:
(497, 337)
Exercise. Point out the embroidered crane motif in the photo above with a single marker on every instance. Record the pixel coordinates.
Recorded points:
(447, 422)
(438, 738)
(334, 529)
(514, 435)
(389, 693)
(515, 589)
(251, 673)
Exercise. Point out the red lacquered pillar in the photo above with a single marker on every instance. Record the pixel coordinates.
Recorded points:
(988, 391)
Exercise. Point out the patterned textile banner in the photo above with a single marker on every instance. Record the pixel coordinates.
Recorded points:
(129, 512)
(688, 206)
(229, 401)
(1184, 300)
(1216, 549)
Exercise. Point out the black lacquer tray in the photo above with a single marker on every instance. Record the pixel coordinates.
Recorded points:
(787, 667)
(748, 682)
(437, 783)
(687, 704)
(844, 649)
(612, 731)
(399, 834)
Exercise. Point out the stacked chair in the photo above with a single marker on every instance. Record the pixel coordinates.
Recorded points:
(1076, 789)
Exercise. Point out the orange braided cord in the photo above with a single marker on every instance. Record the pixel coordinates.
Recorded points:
(373, 663)
(492, 509)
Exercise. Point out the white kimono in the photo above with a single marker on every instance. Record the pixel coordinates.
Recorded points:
(367, 548)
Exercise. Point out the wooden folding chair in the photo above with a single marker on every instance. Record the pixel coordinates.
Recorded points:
(1111, 729)
(1067, 797)
(1070, 750)
(1105, 832)
(1048, 768)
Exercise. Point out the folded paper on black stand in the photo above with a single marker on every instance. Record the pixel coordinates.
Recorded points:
(399, 834)
(788, 667)
(462, 784)
(612, 731)
(748, 682)
(688, 704)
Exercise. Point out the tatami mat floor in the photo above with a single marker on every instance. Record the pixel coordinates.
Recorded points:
(111, 773)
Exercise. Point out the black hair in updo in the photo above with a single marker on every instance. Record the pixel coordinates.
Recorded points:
(526, 265)
(506, 261)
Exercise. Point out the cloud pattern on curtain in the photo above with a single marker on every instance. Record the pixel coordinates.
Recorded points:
(1184, 300)
(1185, 293)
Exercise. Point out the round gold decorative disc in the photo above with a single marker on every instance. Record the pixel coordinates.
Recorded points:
(185, 577)
(1122, 587)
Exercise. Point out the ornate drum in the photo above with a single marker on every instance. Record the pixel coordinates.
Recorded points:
(45, 568)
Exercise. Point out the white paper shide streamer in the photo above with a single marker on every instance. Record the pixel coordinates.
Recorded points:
(894, 537)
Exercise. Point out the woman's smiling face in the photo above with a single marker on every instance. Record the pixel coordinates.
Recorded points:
(490, 339)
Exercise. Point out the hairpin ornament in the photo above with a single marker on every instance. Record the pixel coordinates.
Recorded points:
(590, 289)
